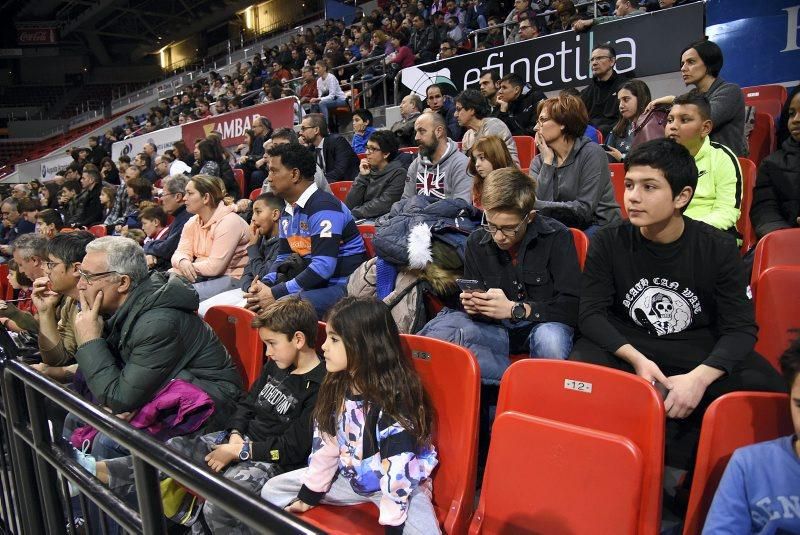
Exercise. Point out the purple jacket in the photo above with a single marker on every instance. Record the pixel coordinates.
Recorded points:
(177, 409)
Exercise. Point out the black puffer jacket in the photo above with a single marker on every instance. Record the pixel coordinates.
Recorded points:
(776, 196)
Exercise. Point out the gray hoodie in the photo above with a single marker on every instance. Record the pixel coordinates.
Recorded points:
(445, 179)
(579, 192)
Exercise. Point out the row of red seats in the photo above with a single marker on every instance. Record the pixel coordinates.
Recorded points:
(575, 447)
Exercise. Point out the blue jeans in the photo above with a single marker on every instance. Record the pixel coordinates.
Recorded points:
(326, 105)
(492, 342)
(324, 298)
(551, 340)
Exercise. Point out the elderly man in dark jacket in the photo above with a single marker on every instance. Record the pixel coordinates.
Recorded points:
(136, 332)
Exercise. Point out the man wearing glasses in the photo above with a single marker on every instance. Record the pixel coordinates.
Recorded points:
(600, 96)
(159, 252)
(136, 332)
(14, 224)
(447, 49)
(55, 296)
(528, 268)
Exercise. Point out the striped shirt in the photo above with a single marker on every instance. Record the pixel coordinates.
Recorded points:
(319, 228)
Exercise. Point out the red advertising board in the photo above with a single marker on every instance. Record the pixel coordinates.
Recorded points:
(233, 124)
(36, 36)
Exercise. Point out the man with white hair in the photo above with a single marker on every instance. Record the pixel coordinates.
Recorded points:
(136, 332)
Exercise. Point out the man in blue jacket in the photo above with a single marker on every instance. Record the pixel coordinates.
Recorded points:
(159, 252)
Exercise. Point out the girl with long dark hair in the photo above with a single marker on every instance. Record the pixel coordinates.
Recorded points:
(373, 425)
(633, 96)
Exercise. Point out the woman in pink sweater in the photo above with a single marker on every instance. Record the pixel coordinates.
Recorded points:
(212, 252)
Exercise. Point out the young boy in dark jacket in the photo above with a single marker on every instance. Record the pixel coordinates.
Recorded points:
(270, 431)
(261, 251)
(664, 297)
(529, 266)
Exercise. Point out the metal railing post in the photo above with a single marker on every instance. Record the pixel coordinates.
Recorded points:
(48, 481)
(147, 491)
(22, 460)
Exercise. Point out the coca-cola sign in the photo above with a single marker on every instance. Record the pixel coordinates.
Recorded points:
(36, 36)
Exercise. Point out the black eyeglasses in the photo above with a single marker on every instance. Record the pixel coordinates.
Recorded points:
(505, 231)
(89, 278)
(51, 265)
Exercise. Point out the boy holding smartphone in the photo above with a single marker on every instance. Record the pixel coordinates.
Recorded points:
(529, 266)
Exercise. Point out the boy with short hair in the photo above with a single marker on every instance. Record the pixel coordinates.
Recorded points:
(760, 489)
(718, 196)
(664, 297)
(270, 430)
(530, 266)
(261, 252)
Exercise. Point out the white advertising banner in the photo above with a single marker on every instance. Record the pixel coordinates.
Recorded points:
(42, 169)
(162, 139)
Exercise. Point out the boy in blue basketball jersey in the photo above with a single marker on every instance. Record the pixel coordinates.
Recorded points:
(320, 245)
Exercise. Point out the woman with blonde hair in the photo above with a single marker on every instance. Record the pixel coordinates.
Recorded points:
(212, 252)
(487, 154)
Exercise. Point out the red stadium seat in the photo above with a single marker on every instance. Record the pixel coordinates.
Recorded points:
(777, 304)
(341, 189)
(597, 398)
(451, 378)
(367, 233)
(771, 91)
(732, 421)
(238, 175)
(4, 283)
(98, 230)
(255, 193)
(361, 155)
(410, 150)
(618, 183)
(581, 245)
(599, 137)
(537, 476)
(233, 327)
(762, 138)
(525, 150)
(781, 247)
(743, 225)
(767, 99)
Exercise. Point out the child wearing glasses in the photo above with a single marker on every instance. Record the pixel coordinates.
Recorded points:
(526, 272)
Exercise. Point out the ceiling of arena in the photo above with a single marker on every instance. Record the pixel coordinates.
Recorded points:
(112, 29)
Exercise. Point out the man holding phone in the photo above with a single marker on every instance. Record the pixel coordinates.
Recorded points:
(521, 279)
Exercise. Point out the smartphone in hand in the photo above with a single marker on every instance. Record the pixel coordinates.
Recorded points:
(471, 285)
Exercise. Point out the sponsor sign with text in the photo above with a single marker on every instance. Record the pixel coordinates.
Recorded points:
(646, 45)
(162, 139)
(233, 124)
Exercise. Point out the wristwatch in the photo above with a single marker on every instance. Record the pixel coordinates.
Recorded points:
(244, 453)
(518, 311)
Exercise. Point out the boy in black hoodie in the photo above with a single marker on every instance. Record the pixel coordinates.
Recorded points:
(270, 431)
(664, 297)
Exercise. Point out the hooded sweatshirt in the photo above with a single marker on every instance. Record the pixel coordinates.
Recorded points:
(717, 199)
(155, 336)
(579, 192)
(444, 179)
(217, 247)
(373, 194)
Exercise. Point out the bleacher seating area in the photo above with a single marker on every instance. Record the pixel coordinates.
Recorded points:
(575, 447)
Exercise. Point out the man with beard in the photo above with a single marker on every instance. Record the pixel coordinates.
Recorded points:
(440, 169)
(489, 83)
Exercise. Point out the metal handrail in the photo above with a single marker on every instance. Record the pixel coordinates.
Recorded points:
(479, 31)
(27, 391)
